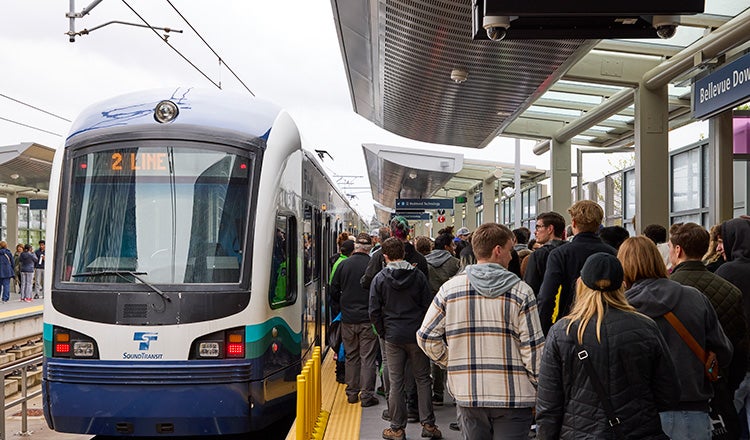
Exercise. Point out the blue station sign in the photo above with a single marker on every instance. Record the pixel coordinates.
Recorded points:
(412, 215)
(423, 204)
(722, 89)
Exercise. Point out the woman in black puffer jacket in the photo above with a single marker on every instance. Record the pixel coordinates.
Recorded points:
(627, 352)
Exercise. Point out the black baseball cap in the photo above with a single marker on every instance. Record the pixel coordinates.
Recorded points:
(602, 271)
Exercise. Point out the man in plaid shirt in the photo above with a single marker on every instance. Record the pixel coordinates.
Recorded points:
(483, 326)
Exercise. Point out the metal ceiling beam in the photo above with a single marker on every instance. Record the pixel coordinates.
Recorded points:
(585, 89)
(634, 47)
(601, 67)
(711, 21)
(731, 34)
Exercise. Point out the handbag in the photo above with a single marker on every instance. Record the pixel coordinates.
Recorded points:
(708, 359)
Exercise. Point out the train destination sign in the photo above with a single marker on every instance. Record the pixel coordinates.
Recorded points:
(723, 89)
(424, 204)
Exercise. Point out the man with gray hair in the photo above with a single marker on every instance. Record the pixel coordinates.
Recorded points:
(360, 342)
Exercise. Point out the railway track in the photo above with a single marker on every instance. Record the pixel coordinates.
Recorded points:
(18, 353)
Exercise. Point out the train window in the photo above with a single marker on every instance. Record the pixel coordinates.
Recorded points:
(283, 283)
(166, 214)
(308, 242)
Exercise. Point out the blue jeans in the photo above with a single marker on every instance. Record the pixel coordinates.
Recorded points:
(686, 425)
(5, 282)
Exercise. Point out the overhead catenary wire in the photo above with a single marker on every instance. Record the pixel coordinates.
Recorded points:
(221, 60)
(170, 45)
(34, 107)
(29, 126)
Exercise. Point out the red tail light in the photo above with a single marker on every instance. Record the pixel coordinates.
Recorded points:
(235, 345)
(62, 348)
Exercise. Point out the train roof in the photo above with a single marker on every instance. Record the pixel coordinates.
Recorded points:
(220, 110)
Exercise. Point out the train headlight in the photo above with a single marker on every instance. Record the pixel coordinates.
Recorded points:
(209, 349)
(83, 349)
(166, 111)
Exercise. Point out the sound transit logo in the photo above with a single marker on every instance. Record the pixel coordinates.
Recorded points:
(145, 339)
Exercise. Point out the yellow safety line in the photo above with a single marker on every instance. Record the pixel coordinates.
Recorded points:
(23, 311)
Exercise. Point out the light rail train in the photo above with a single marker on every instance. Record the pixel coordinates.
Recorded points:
(189, 241)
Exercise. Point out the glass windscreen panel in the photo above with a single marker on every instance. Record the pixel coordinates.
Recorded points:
(163, 215)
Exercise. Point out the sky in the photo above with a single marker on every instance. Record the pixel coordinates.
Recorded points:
(284, 51)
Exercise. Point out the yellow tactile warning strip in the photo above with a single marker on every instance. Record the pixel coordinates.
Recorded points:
(345, 418)
(24, 311)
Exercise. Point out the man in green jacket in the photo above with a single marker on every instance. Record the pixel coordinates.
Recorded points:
(688, 242)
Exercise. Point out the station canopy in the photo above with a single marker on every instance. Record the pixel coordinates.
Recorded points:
(408, 173)
(25, 169)
(400, 55)
(414, 69)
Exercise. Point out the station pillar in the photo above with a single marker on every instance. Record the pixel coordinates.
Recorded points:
(651, 157)
(721, 172)
(560, 177)
(471, 211)
(458, 214)
(488, 200)
(12, 222)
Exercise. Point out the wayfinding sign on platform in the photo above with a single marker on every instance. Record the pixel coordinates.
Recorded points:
(424, 204)
(412, 215)
(723, 89)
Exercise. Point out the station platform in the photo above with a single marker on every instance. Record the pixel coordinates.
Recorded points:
(20, 320)
(349, 421)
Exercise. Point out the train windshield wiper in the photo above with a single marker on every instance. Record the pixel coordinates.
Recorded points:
(121, 274)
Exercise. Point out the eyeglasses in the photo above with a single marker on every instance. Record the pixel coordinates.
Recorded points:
(538, 226)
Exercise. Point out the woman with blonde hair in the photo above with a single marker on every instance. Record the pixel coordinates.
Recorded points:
(604, 340)
(653, 294)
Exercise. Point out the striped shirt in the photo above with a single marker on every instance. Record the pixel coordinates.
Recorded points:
(491, 346)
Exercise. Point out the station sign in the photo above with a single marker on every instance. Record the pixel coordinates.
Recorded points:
(407, 204)
(412, 215)
(723, 89)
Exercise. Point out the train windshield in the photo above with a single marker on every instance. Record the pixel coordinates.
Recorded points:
(165, 215)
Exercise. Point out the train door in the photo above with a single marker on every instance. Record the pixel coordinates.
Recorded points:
(326, 296)
(309, 269)
(318, 281)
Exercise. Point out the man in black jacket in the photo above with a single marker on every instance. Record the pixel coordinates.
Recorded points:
(399, 298)
(688, 242)
(399, 229)
(550, 233)
(360, 342)
(565, 262)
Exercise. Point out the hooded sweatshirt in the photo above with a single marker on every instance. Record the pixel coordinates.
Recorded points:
(483, 326)
(441, 265)
(656, 296)
(735, 234)
(399, 298)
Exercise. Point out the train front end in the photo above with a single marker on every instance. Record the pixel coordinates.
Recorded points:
(149, 324)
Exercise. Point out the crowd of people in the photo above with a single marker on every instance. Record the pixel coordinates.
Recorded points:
(586, 334)
(22, 272)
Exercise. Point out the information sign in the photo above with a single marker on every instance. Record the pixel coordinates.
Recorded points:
(424, 204)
